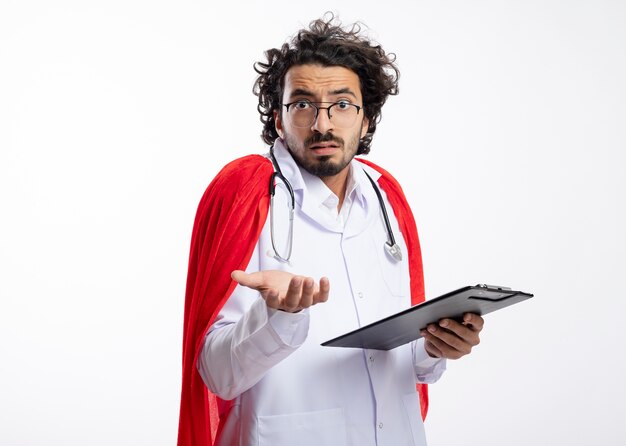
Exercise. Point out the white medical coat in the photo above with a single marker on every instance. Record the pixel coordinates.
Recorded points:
(282, 387)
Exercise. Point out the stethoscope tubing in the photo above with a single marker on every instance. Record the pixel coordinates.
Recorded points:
(391, 246)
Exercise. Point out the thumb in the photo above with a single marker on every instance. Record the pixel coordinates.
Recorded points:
(243, 278)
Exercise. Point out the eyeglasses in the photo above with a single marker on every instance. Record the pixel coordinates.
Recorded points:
(304, 113)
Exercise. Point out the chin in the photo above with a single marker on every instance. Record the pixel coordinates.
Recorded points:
(324, 167)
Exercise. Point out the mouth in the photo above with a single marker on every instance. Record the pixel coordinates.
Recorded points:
(324, 148)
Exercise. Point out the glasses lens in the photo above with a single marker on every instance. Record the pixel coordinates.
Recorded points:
(302, 113)
(342, 114)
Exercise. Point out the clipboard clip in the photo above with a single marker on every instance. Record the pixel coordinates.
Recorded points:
(496, 287)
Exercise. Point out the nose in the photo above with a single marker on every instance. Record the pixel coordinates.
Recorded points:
(322, 123)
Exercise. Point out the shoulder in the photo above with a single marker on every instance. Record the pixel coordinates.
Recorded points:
(244, 170)
(243, 180)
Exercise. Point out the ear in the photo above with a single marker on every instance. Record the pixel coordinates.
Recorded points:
(364, 126)
(278, 123)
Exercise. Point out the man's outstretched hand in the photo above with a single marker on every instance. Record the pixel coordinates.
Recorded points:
(284, 291)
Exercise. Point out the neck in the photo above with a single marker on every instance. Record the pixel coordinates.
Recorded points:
(338, 184)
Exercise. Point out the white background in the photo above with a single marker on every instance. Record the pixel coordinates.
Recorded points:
(508, 136)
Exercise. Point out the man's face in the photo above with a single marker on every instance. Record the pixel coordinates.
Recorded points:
(321, 149)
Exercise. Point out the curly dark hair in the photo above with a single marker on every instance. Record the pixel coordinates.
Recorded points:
(328, 44)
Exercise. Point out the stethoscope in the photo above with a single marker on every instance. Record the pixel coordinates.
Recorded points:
(391, 247)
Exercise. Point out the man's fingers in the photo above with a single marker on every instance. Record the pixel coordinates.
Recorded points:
(245, 279)
(291, 302)
(303, 293)
(308, 288)
(452, 338)
(432, 351)
(438, 345)
(473, 321)
(467, 334)
(238, 275)
(272, 299)
(283, 290)
(324, 291)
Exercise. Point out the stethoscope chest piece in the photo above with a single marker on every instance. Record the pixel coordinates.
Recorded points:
(394, 251)
(392, 248)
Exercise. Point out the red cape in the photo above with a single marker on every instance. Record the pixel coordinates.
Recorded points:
(229, 220)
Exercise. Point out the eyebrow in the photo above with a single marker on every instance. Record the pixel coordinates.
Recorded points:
(345, 90)
(307, 93)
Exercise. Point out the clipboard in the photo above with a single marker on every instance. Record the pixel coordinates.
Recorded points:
(405, 326)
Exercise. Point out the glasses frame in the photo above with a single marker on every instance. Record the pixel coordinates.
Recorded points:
(318, 108)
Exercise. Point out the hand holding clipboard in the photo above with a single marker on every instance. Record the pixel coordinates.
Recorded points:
(407, 325)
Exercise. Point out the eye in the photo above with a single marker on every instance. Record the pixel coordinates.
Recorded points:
(301, 105)
(342, 105)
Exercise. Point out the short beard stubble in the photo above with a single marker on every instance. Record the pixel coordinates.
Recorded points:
(323, 166)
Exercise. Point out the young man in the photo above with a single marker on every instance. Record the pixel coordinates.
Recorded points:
(254, 341)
